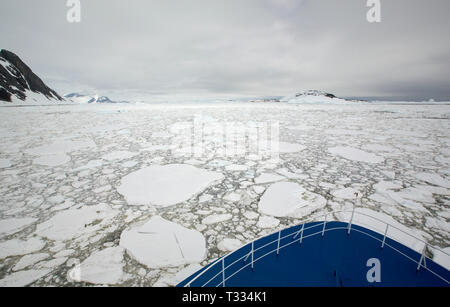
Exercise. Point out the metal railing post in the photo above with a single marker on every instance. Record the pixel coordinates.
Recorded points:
(278, 246)
(223, 272)
(253, 248)
(324, 225)
(351, 221)
(301, 236)
(422, 257)
(385, 234)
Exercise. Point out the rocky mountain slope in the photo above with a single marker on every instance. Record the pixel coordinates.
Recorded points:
(17, 80)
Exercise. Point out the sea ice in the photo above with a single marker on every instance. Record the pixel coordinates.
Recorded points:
(285, 147)
(229, 245)
(433, 179)
(52, 160)
(23, 278)
(119, 155)
(285, 199)
(346, 193)
(17, 247)
(267, 177)
(161, 243)
(216, 218)
(73, 223)
(103, 267)
(166, 185)
(4, 163)
(171, 280)
(354, 154)
(13, 225)
(60, 147)
(267, 222)
(29, 260)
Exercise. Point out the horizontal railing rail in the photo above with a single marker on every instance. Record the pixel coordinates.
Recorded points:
(298, 235)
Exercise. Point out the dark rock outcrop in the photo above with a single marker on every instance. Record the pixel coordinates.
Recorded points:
(16, 78)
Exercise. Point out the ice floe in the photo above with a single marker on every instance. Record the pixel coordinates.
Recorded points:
(4, 163)
(23, 278)
(284, 199)
(102, 267)
(166, 185)
(74, 223)
(119, 155)
(161, 243)
(433, 179)
(346, 193)
(355, 154)
(267, 222)
(52, 160)
(267, 177)
(228, 244)
(13, 225)
(216, 218)
(29, 260)
(171, 280)
(16, 247)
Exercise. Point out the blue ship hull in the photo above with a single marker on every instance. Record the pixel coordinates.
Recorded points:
(322, 255)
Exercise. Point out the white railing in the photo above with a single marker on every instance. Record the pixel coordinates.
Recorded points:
(299, 236)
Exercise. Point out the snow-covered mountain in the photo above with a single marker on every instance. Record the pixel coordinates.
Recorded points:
(19, 83)
(313, 96)
(80, 98)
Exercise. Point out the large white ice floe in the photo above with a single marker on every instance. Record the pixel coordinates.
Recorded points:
(284, 147)
(23, 278)
(267, 177)
(61, 147)
(355, 154)
(103, 267)
(216, 218)
(4, 163)
(161, 243)
(267, 222)
(345, 193)
(441, 257)
(29, 260)
(74, 223)
(55, 154)
(288, 199)
(433, 179)
(166, 185)
(119, 155)
(229, 244)
(52, 160)
(13, 225)
(17, 247)
(412, 198)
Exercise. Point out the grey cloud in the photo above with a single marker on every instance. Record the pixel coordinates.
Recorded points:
(252, 47)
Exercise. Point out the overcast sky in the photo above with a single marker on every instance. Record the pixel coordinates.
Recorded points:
(241, 47)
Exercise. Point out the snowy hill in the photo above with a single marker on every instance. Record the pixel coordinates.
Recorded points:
(313, 96)
(18, 83)
(80, 98)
